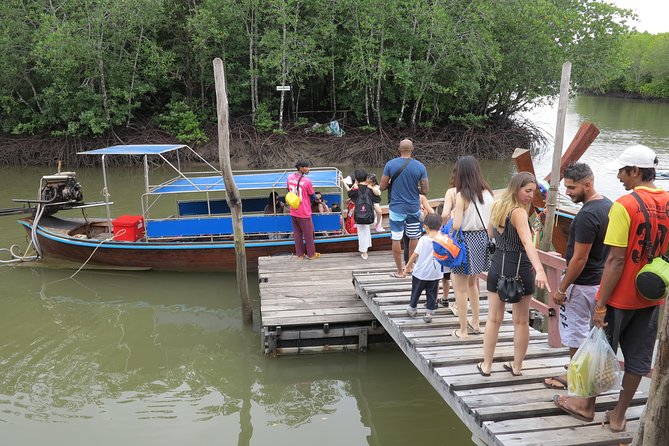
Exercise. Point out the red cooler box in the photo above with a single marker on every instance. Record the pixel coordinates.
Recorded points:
(128, 228)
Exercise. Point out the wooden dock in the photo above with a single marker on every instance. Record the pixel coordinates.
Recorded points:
(341, 302)
(311, 306)
(501, 409)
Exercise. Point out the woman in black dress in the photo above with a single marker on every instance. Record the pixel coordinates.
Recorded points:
(511, 229)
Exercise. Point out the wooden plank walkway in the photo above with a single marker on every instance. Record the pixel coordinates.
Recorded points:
(499, 410)
(311, 306)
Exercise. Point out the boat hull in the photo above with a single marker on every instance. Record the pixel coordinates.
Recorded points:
(65, 250)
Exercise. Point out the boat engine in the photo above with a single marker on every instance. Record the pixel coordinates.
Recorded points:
(60, 191)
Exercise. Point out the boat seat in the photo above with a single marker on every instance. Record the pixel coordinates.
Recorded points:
(199, 207)
(253, 224)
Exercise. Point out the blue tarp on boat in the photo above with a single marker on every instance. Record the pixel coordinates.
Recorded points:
(135, 149)
(267, 180)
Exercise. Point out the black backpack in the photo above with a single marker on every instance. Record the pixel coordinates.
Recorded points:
(364, 208)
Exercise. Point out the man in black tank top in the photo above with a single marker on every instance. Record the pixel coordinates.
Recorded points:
(586, 255)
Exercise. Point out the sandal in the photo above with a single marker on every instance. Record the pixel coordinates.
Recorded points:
(471, 328)
(314, 257)
(397, 275)
(456, 335)
(561, 383)
(480, 369)
(560, 404)
(509, 368)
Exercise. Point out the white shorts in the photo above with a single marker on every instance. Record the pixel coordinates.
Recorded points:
(576, 314)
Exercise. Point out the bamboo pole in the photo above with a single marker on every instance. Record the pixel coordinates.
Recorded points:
(232, 195)
(653, 427)
(551, 201)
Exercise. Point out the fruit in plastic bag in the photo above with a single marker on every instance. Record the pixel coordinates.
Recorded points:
(594, 369)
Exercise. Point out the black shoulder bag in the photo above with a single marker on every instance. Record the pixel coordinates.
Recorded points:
(491, 242)
(510, 289)
(652, 281)
(394, 177)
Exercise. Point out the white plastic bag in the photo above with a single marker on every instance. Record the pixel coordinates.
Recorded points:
(594, 369)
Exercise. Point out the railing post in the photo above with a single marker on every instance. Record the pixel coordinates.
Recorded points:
(554, 265)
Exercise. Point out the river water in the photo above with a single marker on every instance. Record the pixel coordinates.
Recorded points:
(155, 358)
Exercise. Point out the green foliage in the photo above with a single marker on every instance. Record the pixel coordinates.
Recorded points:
(84, 67)
(264, 121)
(644, 66)
(181, 122)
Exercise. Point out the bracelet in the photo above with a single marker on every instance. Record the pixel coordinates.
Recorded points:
(559, 291)
(601, 310)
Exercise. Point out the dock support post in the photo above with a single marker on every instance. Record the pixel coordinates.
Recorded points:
(362, 340)
(270, 342)
(551, 199)
(232, 195)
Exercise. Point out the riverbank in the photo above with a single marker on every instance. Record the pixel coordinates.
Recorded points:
(252, 149)
(625, 95)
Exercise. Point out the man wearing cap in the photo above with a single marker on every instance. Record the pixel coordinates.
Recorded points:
(586, 255)
(630, 319)
(303, 226)
(405, 178)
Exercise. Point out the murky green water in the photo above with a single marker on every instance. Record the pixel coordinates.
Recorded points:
(152, 358)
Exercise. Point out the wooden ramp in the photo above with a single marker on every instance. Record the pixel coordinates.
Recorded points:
(501, 409)
(311, 306)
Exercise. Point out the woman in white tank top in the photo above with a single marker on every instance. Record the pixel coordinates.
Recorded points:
(473, 204)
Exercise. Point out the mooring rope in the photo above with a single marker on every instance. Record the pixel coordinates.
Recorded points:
(119, 233)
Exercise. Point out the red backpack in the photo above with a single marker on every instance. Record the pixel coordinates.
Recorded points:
(349, 221)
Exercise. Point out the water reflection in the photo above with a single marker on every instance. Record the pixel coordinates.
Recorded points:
(140, 349)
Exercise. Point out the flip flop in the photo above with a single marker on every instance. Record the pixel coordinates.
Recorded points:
(562, 383)
(397, 275)
(607, 420)
(314, 257)
(480, 369)
(509, 368)
(556, 401)
(471, 328)
(456, 335)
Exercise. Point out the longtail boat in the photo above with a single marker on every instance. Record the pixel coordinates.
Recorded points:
(566, 212)
(193, 232)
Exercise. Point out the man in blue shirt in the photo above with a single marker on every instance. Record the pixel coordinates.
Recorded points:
(405, 178)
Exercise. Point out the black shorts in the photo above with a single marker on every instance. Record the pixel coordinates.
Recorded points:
(635, 331)
(510, 265)
(447, 275)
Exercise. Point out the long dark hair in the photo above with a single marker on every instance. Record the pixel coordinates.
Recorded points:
(469, 181)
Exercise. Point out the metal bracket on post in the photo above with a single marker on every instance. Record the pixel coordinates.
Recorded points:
(362, 340)
(270, 342)
(326, 327)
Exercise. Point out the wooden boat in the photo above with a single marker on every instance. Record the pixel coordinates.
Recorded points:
(198, 238)
(566, 211)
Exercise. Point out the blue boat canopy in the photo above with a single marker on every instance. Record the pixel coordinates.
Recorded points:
(135, 149)
(251, 181)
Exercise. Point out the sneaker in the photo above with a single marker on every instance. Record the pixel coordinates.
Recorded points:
(427, 318)
(379, 228)
(411, 311)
